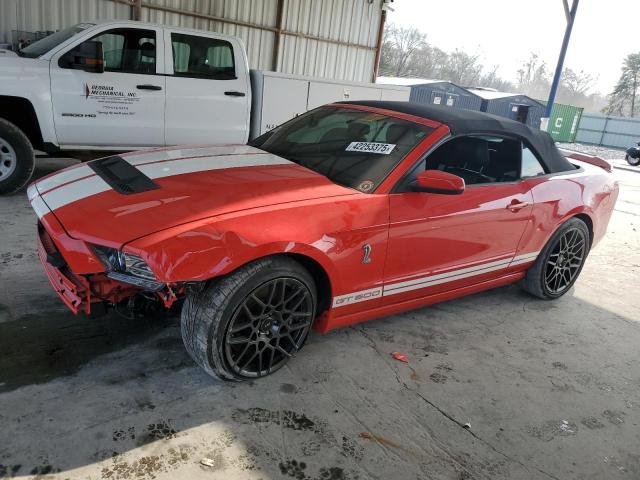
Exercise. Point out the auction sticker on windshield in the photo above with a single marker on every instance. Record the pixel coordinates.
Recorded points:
(371, 147)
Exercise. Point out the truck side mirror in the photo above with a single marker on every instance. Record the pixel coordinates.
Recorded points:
(87, 56)
(437, 181)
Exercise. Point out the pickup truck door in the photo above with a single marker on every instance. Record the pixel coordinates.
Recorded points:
(121, 107)
(208, 95)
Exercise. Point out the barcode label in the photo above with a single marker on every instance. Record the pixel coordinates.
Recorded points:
(371, 147)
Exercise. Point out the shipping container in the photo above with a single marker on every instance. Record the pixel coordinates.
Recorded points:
(563, 122)
(436, 92)
(517, 107)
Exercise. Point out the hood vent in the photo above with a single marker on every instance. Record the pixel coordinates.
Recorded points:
(123, 177)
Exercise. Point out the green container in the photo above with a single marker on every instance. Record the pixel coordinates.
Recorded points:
(564, 121)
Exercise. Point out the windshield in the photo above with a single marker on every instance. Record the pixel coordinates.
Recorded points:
(42, 46)
(354, 148)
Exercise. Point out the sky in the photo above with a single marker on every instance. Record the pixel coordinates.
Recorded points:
(504, 32)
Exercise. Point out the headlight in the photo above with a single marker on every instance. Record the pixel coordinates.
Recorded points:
(119, 261)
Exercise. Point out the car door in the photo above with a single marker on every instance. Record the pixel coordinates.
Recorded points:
(442, 242)
(208, 89)
(121, 107)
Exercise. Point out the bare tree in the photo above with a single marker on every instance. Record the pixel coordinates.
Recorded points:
(407, 53)
(401, 44)
(577, 83)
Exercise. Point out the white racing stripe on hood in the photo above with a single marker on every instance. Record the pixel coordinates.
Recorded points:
(194, 165)
(63, 177)
(75, 191)
(93, 185)
(176, 153)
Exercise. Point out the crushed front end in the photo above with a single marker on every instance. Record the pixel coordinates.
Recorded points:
(89, 275)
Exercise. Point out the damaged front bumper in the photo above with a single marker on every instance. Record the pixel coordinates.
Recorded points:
(78, 275)
(72, 289)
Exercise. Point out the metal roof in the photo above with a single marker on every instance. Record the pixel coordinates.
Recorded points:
(407, 81)
(492, 94)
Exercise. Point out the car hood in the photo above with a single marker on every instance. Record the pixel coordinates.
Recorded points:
(139, 193)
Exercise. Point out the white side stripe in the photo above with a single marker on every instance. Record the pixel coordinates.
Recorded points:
(431, 281)
(428, 281)
(463, 273)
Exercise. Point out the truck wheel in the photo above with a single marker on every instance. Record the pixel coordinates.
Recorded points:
(632, 161)
(251, 322)
(17, 159)
(560, 262)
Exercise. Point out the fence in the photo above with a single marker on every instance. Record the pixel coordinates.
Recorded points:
(619, 132)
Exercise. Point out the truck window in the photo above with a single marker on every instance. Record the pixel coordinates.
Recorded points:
(129, 50)
(202, 57)
(47, 43)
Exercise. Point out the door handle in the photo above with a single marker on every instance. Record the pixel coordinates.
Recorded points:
(235, 94)
(148, 87)
(516, 205)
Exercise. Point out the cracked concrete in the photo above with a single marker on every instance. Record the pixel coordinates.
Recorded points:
(551, 390)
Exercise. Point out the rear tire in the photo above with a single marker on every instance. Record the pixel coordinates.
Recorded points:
(251, 322)
(560, 262)
(17, 159)
(632, 161)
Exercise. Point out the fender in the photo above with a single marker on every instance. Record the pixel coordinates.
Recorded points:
(226, 253)
(28, 79)
(332, 232)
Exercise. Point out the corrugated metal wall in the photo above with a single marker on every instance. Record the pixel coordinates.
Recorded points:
(348, 21)
(619, 132)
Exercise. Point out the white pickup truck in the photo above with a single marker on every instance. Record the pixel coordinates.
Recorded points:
(122, 85)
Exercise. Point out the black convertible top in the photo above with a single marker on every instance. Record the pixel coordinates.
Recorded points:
(461, 122)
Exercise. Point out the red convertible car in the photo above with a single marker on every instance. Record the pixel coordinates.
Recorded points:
(346, 213)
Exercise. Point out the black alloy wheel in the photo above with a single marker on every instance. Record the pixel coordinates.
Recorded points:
(268, 327)
(565, 261)
(250, 322)
(560, 262)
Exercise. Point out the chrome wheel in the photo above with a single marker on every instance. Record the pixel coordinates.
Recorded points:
(565, 261)
(268, 327)
(8, 159)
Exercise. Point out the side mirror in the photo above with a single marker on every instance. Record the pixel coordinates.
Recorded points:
(87, 56)
(436, 181)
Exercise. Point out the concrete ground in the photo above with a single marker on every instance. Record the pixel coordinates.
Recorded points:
(499, 385)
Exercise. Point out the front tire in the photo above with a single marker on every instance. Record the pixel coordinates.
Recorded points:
(632, 161)
(251, 322)
(560, 262)
(17, 159)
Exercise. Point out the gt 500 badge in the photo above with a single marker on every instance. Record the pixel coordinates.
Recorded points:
(371, 147)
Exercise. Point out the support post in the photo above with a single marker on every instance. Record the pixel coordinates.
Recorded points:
(278, 36)
(376, 61)
(571, 16)
(136, 9)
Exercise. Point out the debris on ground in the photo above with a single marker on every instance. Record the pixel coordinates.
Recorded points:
(401, 357)
(208, 462)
